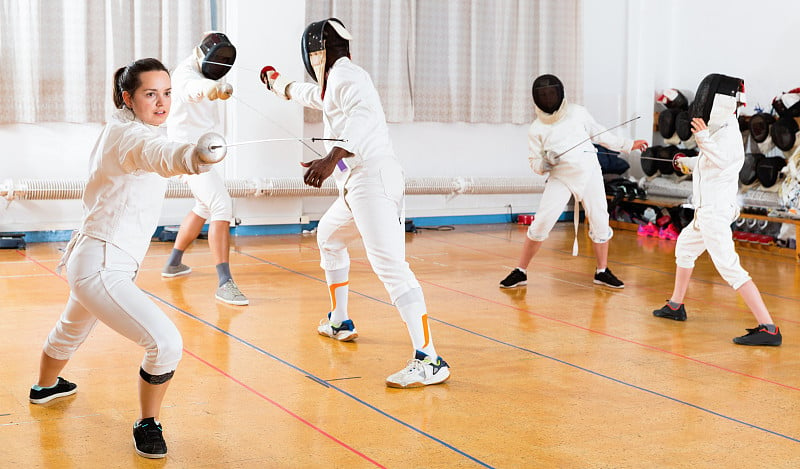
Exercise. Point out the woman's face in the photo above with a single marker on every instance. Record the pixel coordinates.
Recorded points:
(152, 99)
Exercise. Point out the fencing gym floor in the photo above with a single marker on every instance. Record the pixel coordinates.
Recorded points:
(562, 373)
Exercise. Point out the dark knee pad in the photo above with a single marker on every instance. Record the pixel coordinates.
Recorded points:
(157, 379)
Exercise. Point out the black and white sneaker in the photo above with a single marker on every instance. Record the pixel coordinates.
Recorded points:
(148, 439)
(608, 279)
(516, 278)
(760, 335)
(422, 370)
(62, 388)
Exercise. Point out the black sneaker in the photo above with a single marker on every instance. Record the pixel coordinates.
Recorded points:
(61, 389)
(760, 335)
(148, 439)
(666, 311)
(516, 278)
(608, 279)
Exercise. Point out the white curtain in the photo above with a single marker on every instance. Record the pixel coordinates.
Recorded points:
(461, 60)
(58, 57)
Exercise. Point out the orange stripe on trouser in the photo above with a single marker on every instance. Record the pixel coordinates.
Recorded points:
(426, 332)
(332, 287)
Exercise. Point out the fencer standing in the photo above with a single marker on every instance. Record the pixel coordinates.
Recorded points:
(196, 84)
(371, 193)
(715, 184)
(572, 169)
(122, 202)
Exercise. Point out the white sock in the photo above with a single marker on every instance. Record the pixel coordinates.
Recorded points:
(339, 288)
(413, 311)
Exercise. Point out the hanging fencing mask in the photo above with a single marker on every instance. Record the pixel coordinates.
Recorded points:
(759, 126)
(769, 169)
(666, 122)
(748, 175)
(787, 104)
(784, 133)
(215, 54)
(548, 93)
(717, 95)
(683, 126)
(319, 38)
(673, 99)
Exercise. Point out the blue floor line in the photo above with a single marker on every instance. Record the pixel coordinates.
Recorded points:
(631, 385)
(316, 378)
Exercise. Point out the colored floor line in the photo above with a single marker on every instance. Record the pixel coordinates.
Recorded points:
(700, 300)
(187, 351)
(314, 377)
(571, 364)
(276, 404)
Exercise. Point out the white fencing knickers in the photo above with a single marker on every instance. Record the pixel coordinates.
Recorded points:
(372, 201)
(710, 230)
(101, 277)
(554, 199)
(212, 201)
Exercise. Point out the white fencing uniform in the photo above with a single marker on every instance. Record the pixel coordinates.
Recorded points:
(577, 172)
(715, 183)
(122, 202)
(191, 116)
(371, 183)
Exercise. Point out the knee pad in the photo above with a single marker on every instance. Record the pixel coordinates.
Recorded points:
(157, 379)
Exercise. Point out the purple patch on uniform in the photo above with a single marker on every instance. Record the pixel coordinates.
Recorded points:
(341, 165)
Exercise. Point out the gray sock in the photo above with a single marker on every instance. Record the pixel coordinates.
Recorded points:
(224, 273)
(674, 305)
(770, 327)
(175, 257)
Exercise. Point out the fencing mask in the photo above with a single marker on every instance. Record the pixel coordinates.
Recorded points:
(759, 126)
(548, 93)
(783, 133)
(719, 95)
(318, 38)
(215, 54)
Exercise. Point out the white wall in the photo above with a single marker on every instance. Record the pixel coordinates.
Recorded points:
(632, 50)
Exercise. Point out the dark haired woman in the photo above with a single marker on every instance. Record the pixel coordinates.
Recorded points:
(122, 202)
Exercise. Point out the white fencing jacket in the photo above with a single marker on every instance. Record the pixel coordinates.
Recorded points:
(351, 111)
(192, 115)
(577, 166)
(715, 175)
(123, 196)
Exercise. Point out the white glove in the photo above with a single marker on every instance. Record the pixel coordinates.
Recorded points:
(210, 148)
(211, 90)
(683, 163)
(275, 82)
(224, 91)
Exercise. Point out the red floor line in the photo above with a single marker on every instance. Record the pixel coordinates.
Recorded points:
(218, 370)
(699, 300)
(651, 347)
(297, 417)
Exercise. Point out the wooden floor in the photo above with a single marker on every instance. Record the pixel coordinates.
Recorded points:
(562, 373)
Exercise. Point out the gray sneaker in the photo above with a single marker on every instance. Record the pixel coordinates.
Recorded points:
(176, 270)
(229, 293)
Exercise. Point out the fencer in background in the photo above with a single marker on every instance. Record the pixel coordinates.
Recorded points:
(715, 185)
(122, 202)
(371, 198)
(196, 87)
(560, 146)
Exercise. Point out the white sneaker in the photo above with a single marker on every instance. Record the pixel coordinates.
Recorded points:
(229, 293)
(420, 371)
(344, 332)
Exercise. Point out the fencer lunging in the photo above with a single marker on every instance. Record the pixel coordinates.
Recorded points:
(122, 202)
(196, 86)
(371, 193)
(572, 170)
(715, 183)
